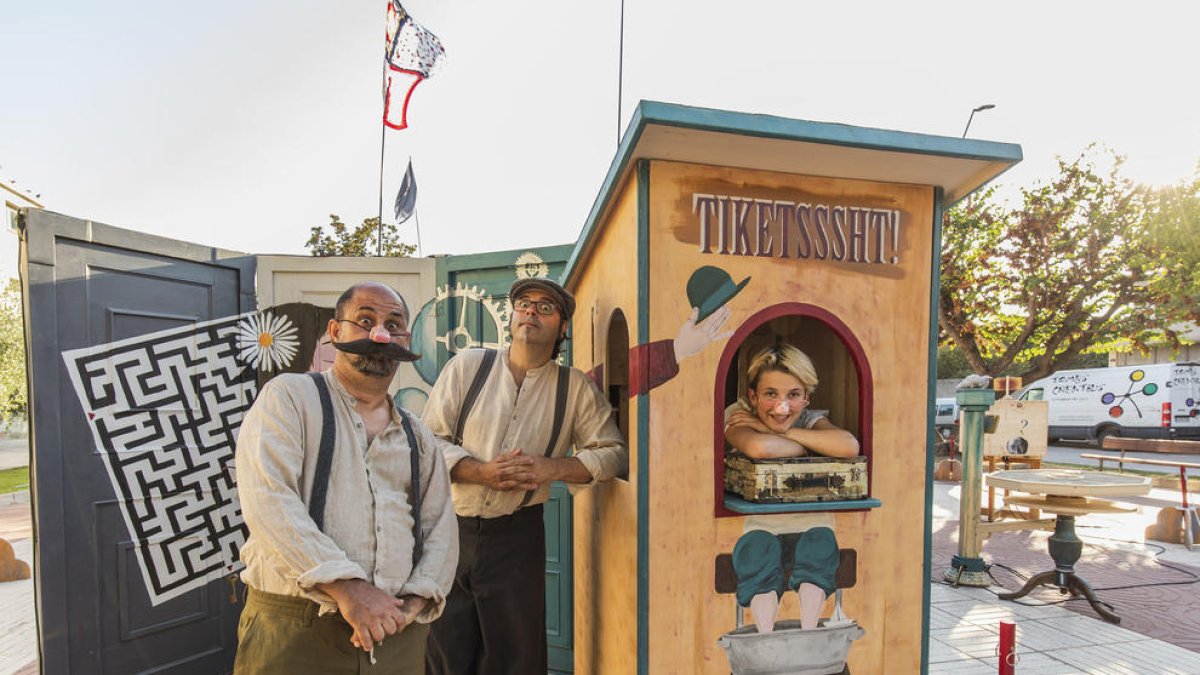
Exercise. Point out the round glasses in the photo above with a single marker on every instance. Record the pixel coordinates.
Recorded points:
(543, 307)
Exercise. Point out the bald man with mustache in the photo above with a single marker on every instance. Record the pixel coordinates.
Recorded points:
(349, 559)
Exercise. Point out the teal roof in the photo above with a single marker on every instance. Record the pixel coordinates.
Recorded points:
(681, 133)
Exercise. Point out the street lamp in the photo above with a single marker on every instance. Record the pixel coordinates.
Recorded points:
(985, 106)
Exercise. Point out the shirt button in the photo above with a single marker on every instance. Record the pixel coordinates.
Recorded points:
(379, 528)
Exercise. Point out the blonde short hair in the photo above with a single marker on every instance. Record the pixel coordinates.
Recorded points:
(783, 359)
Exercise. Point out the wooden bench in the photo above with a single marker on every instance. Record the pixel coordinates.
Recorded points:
(846, 577)
(1188, 512)
(1163, 445)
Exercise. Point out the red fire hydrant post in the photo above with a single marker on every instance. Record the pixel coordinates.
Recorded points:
(1008, 648)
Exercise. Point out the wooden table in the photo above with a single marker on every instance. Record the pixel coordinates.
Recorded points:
(1067, 493)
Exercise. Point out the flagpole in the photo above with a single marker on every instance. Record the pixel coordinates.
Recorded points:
(382, 145)
(620, 71)
(417, 218)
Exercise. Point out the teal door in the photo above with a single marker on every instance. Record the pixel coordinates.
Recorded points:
(470, 310)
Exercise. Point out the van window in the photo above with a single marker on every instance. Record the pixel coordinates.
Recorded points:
(1033, 395)
(945, 410)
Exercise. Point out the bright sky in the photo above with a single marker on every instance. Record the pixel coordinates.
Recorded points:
(243, 123)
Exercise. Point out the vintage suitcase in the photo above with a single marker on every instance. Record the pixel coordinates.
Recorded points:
(796, 479)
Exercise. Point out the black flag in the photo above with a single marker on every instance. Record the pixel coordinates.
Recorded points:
(406, 198)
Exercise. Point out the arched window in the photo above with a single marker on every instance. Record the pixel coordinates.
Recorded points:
(616, 375)
(844, 393)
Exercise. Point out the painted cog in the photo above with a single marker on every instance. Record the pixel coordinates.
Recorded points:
(475, 320)
(530, 265)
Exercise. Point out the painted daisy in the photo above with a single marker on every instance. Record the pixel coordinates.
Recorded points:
(267, 342)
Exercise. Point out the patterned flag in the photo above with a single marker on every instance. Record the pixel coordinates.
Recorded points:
(406, 197)
(412, 55)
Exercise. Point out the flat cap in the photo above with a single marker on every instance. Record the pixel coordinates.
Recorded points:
(561, 296)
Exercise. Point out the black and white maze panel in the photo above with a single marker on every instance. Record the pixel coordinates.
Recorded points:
(164, 410)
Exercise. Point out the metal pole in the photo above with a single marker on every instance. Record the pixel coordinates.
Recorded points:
(968, 124)
(417, 218)
(382, 145)
(967, 567)
(985, 106)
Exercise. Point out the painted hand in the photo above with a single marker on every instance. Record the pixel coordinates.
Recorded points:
(694, 337)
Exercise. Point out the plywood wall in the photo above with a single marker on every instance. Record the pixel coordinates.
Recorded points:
(606, 516)
(886, 307)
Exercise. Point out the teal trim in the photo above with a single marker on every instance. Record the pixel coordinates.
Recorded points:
(643, 422)
(739, 505)
(768, 126)
(491, 259)
(935, 281)
(784, 128)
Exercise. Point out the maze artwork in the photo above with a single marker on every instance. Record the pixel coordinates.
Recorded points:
(164, 410)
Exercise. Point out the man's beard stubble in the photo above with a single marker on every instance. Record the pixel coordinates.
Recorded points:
(374, 365)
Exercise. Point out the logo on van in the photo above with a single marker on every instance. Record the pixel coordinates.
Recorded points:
(1117, 401)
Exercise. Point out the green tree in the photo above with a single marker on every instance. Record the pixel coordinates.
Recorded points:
(1175, 238)
(1073, 269)
(13, 391)
(363, 240)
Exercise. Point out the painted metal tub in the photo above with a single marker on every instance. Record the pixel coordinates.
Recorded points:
(788, 650)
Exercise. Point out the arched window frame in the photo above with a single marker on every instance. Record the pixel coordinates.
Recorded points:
(866, 398)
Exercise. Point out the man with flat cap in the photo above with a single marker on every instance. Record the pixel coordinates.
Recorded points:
(508, 420)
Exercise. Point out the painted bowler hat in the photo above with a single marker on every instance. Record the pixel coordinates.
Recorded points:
(711, 287)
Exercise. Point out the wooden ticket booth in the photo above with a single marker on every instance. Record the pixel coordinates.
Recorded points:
(822, 236)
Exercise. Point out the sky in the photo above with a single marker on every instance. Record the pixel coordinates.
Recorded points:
(243, 124)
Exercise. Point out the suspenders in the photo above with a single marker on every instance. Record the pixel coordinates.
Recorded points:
(320, 491)
(562, 387)
(316, 505)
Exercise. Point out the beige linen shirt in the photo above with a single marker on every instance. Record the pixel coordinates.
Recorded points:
(368, 530)
(506, 416)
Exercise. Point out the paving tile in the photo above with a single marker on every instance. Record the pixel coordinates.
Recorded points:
(1035, 636)
(963, 667)
(940, 619)
(1036, 664)
(940, 652)
(18, 644)
(972, 640)
(1151, 657)
(1092, 631)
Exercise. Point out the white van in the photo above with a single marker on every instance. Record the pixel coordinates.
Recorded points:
(945, 414)
(1161, 400)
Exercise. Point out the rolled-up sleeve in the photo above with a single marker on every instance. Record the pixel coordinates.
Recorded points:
(270, 462)
(598, 443)
(434, 573)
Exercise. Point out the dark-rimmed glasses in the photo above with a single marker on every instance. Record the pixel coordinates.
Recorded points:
(543, 307)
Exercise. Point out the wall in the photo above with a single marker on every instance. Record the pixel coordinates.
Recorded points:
(885, 306)
(606, 515)
(319, 281)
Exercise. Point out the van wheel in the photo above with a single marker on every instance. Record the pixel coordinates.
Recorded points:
(1104, 433)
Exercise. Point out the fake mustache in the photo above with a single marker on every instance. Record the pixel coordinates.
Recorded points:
(368, 347)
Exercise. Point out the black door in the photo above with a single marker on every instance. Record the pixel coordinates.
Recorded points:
(136, 530)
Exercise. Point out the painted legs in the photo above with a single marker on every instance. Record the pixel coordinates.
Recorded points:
(809, 560)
